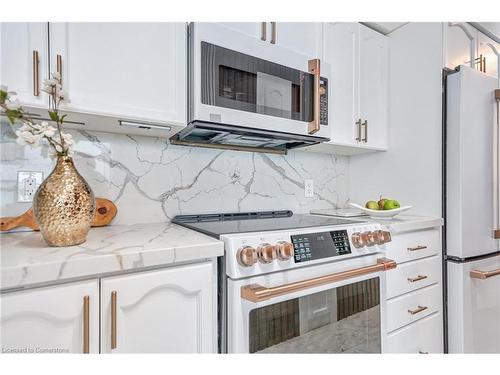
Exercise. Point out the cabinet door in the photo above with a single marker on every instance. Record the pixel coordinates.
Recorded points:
(340, 52)
(128, 70)
(302, 37)
(20, 69)
(459, 47)
(165, 311)
(484, 48)
(253, 29)
(373, 86)
(51, 319)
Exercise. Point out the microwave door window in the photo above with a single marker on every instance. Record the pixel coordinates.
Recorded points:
(274, 96)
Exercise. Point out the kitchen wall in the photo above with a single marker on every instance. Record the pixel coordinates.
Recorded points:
(152, 181)
(410, 170)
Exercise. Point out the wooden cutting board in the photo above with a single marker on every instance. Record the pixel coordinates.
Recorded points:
(105, 211)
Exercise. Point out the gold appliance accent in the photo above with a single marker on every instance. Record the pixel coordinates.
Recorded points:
(416, 248)
(273, 32)
(418, 278)
(246, 256)
(258, 293)
(86, 325)
(314, 68)
(266, 253)
(358, 240)
(358, 124)
(113, 319)
(284, 250)
(36, 74)
(365, 124)
(59, 66)
(483, 275)
(418, 310)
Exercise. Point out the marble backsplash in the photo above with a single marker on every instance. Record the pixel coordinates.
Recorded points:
(151, 180)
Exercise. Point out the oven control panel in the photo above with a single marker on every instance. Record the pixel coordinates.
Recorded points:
(312, 246)
(250, 254)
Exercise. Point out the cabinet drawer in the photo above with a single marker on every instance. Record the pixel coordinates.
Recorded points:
(413, 306)
(413, 275)
(424, 336)
(414, 245)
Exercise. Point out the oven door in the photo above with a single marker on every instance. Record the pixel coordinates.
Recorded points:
(331, 308)
(239, 80)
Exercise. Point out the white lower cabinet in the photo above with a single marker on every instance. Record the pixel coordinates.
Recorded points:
(170, 310)
(424, 336)
(58, 319)
(165, 311)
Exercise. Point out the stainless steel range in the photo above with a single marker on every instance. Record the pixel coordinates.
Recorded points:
(298, 283)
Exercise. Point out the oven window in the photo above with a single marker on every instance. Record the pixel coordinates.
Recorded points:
(234, 80)
(340, 320)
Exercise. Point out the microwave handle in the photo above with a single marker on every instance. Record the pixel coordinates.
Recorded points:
(257, 293)
(314, 68)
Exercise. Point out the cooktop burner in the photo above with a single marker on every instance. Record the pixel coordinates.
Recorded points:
(216, 225)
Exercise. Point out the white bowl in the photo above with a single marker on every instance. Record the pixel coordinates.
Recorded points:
(381, 214)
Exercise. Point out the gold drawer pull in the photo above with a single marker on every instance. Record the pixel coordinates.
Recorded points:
(36, 74)
(416, 248)
(418, 309)
(86, 325)
(113, 319)
(482, 275)
(418, 278)
(258, 293)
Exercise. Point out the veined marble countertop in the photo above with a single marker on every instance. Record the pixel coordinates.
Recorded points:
(408, 223)
(27, 260)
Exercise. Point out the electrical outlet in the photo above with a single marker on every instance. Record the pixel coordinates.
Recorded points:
(309, 188)
(27, 184)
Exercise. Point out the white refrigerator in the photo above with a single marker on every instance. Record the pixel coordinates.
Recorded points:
(472, 212)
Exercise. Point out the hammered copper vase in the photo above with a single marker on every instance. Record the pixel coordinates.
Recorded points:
(64, 205)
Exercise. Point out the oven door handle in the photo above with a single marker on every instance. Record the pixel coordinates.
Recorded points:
(258, 293)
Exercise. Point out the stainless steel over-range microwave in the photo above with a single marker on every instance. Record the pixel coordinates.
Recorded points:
(248, 95)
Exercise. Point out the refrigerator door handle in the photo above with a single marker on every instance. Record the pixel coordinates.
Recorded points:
(483, 275)
(496, 183)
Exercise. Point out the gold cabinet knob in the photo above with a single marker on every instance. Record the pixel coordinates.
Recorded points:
(246, 256)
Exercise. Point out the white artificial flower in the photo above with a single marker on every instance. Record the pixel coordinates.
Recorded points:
(63, 96)
(13, 104)
(56, 76)
(28, 138)
(46, 130)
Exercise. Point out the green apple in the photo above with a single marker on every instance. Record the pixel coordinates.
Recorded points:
(372, 205)
(391, 204)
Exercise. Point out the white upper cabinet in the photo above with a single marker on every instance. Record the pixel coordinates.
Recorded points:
(126, 70)
(301, 37)
(164, 311)
(24, 60)
(64, 318)
(373, 86)
(358, 102)
(485, 50)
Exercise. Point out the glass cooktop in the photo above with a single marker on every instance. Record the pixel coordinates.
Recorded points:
(216, 225)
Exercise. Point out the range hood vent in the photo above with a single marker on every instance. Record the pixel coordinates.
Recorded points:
(231, 137)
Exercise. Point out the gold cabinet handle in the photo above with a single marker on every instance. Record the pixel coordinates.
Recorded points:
(418, 310)
(273, 32)
(59, 66)
(365, 124)
(314, 68)
(36, 73)
(86, 325)
(113, 319)
(418, 278)
(263, 31)
(358, 124)
(483, 275)
(258, 293)
(416, 248)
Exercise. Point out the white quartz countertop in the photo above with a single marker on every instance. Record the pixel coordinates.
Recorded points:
(408, 223)
(27, 260)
